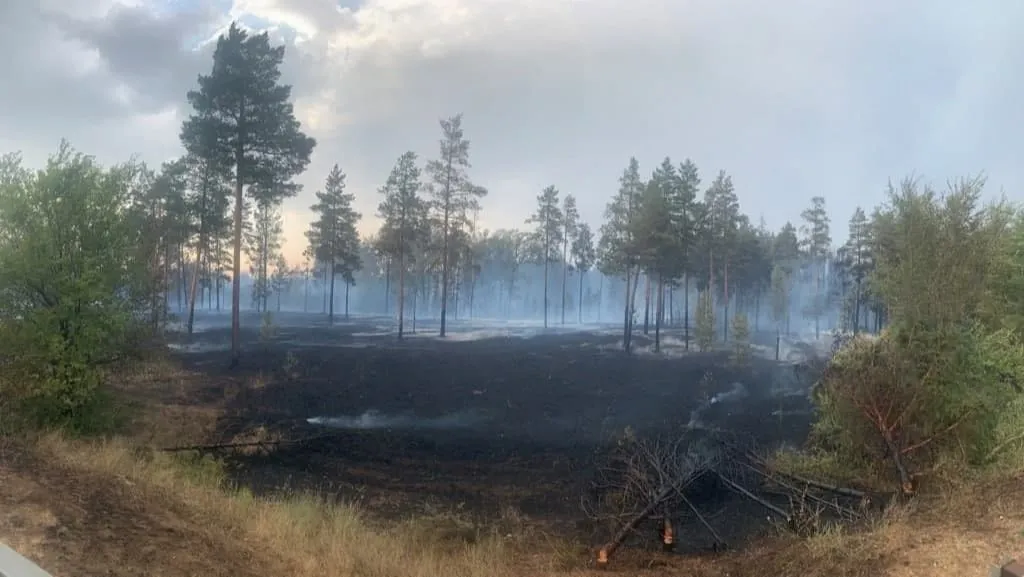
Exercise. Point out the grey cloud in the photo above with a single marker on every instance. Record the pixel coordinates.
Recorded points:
(794, 98)
(146, 51)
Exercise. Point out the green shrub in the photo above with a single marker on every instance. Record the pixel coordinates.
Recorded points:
(929, 395)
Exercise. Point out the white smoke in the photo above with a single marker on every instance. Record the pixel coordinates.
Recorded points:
(735, 393)
(372, 420)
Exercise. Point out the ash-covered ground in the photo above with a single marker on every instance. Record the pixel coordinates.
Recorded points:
(496, 416)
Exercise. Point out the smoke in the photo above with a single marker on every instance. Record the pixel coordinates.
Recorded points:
(737, 393)
(374, 420)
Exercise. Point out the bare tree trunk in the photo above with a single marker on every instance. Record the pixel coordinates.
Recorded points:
(725, 289)
(579, 303)
(686, 311)
(647, 303)
(657, 315)
(565, 272)
(236, 276)
(401, 286)
(330, 309)
(444, 270)
(387, 286)
(627, 317)
(195, 285)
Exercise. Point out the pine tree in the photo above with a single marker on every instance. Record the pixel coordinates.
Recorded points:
(570, 223)
(657, 243)
(858, 261)
(243, 103)
(686, 214)
(548, 218)
(817, 243)
(722, 225)
(618, 249)
(404, 215)
(263, 246)
(333, 236)
(583, 256)
(454, 198)
(740, 340)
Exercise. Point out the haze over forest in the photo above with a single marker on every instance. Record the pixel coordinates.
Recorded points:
(794, 100)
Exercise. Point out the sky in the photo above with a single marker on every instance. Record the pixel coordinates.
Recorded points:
(792, 98)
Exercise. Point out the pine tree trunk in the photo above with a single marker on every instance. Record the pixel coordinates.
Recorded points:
(565, 272)
(647, 302)
(236, 277)
(330, 298)
(546, 240)
(632, 305)
(686, 312)
(401, 286)
(444, 272)
(626, 316)
(348, 286)
(657, 315)
(387, 287)
(195, 284)
(725, 289)
(579, 303)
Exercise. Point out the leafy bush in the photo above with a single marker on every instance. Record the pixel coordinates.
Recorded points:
(73, 278)
(918, 397)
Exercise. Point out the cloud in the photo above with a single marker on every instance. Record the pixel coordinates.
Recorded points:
(794, 98)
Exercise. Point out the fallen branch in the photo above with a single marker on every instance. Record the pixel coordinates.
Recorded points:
(245, 444)
(605, 552)
(745, 493)
(703, 521)
(796, 491)
(844, 491)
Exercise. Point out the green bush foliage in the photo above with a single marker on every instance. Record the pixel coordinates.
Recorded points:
(74, 287)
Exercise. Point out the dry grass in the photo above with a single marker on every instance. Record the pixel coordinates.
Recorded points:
(312, 536)
(964, 532)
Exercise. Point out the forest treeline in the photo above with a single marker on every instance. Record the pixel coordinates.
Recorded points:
(92, 256)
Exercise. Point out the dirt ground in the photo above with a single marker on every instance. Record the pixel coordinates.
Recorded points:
(490, 425)
(77, 523)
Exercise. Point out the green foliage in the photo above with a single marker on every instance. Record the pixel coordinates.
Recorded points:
(941, 395)
(705, 329)
(263, 245)
(333, 238)
(943, 384)
(740, 337)
(74, 285)
(617, 248)
(243, 121)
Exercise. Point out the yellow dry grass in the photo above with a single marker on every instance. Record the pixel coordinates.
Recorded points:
(311, 536)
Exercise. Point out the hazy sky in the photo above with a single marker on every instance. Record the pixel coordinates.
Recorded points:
(794, 98)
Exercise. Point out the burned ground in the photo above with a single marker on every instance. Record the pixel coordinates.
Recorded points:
(486, 421)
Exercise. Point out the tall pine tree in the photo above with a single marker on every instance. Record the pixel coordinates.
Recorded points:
(243, 103)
